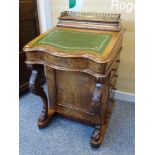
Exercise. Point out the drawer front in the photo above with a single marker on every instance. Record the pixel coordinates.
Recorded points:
(113, 78)
(77, 64)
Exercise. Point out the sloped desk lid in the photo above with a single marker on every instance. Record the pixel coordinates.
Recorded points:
(72, 42)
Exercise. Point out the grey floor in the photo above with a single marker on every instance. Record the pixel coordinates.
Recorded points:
(65, 137)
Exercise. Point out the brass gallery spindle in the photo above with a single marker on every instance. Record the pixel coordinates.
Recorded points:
(90, 20)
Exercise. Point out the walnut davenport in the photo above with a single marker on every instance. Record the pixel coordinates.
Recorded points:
(80, 83)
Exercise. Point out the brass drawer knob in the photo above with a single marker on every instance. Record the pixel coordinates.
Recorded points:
(118, 61)
(115, 75)
(114, 70)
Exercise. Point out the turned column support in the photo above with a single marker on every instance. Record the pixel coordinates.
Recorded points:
(36, 88)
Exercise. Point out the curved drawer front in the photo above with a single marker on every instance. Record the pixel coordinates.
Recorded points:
(68, 63)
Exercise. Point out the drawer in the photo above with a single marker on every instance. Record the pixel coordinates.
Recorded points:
(113, 79)
(69, 63)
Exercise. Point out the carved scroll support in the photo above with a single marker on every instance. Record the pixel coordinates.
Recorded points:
(104, 115)
(97, 136)
(37, 89)
(97, 96)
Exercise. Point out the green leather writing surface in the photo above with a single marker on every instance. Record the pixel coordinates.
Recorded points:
(71, 41)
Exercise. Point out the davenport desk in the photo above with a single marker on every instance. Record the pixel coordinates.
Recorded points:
(81, 72)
